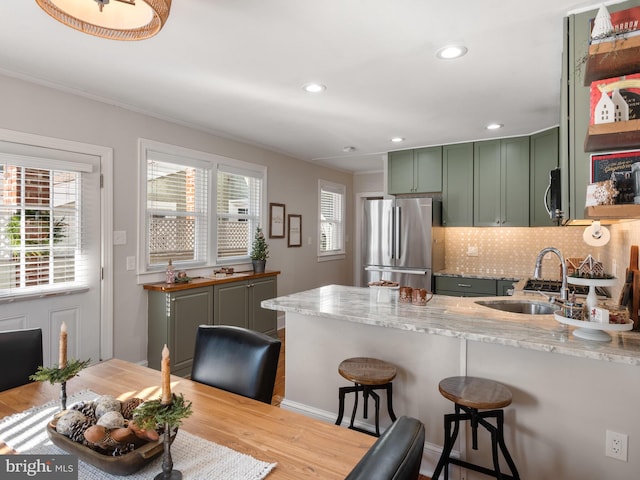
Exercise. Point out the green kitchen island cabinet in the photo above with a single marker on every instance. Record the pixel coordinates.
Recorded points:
(175, 312)
(414, 171)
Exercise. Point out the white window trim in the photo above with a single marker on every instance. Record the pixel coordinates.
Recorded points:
(342, 190)
(211, 161)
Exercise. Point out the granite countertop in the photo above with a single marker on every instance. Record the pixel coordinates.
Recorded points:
(457, 317)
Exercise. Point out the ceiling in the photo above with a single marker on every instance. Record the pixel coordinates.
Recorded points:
(236, 68)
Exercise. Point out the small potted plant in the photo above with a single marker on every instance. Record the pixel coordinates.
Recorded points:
(259, 251)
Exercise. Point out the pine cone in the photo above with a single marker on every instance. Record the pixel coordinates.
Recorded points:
(88, 409)
(128, 406)
(76, 433)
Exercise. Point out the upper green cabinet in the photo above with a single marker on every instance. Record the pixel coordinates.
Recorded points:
(501, 183)
(414, 171)
(543, 154)
(457, 185)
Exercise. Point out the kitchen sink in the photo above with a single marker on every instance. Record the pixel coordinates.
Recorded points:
(526, 307)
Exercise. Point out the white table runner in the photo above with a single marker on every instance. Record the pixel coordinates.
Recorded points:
(195, 457)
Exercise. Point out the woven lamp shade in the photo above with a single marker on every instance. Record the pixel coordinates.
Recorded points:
(113, 19)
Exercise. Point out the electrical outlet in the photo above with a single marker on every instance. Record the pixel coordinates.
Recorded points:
(472, 251)
(616, 445)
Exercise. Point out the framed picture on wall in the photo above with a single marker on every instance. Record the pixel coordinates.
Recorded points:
(294, 226)
(276, 220)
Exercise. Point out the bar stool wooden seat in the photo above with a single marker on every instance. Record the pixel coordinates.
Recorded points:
(471, 394)
(367, 374)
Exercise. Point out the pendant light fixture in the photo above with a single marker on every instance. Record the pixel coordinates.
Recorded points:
(113, 19)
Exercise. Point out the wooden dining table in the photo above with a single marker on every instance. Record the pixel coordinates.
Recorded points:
(301, 446)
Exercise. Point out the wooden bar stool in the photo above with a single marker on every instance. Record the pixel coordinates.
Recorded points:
(471, 394)
(368, 375)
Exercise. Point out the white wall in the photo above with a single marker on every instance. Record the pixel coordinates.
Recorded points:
(32, 108)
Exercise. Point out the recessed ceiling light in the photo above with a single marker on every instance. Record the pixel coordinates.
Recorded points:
(314, 88)
(451, 51)
(349, 149)
(397, 139)
(494, 126)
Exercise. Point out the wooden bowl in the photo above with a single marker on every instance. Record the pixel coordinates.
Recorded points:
(121, 465)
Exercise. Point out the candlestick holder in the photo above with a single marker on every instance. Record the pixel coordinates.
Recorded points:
(152, 413)
(63, 395)
(59, 375)
(168, 473)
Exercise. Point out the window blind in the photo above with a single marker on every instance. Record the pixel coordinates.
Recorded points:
(176, 213)
(331, 219)
(238, 204)
(41, 227)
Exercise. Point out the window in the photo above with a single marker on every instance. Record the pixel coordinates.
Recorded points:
(239, 196)
(331, 218)
(40, 225)
(200, 209)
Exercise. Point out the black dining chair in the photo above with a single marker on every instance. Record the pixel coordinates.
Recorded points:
(21, 354)
(396, 455)
(236, 359)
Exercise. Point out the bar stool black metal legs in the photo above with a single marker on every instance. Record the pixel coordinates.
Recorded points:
(367, 375)
(367, 390)
(469, 395)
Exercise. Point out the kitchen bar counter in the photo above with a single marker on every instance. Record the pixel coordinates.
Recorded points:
(458, 317)
(553, 375)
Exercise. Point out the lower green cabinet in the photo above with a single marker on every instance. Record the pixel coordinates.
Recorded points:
(238, 303)
(455, 286)
(173, 320)
(174, 315)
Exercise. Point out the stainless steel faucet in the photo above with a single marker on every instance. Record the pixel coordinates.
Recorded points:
(536, 272)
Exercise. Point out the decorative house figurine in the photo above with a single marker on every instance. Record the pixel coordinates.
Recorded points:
(591, 268)
(573, 264)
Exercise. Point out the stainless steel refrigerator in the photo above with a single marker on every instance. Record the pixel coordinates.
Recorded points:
(403, 241)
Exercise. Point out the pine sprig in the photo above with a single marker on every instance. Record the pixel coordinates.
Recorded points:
(59, 375)
(152, 413)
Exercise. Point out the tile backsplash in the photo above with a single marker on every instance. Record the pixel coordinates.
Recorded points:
(513, 251)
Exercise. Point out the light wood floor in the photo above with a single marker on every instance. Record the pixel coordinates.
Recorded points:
(278, 389)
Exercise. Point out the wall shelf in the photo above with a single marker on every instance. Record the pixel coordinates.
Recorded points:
(612, 59)
(612, 136)
(628, 211)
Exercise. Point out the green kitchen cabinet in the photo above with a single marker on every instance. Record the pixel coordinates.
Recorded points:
(544, 151)
(238, 303)
(457, 185)
(173, 321)
(501, 183)
(505, 287)
(414, 171)
(456, 286)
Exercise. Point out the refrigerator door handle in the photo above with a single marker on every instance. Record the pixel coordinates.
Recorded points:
(396, 232)
(396, 270)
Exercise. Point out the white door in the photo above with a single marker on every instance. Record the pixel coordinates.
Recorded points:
(51, 273)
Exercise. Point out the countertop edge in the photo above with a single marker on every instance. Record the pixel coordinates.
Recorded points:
(461, 318)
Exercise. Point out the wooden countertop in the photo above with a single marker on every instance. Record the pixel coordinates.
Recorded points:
(208, 281)
(301, 446)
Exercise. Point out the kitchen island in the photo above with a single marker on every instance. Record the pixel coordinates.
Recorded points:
(567, 391)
